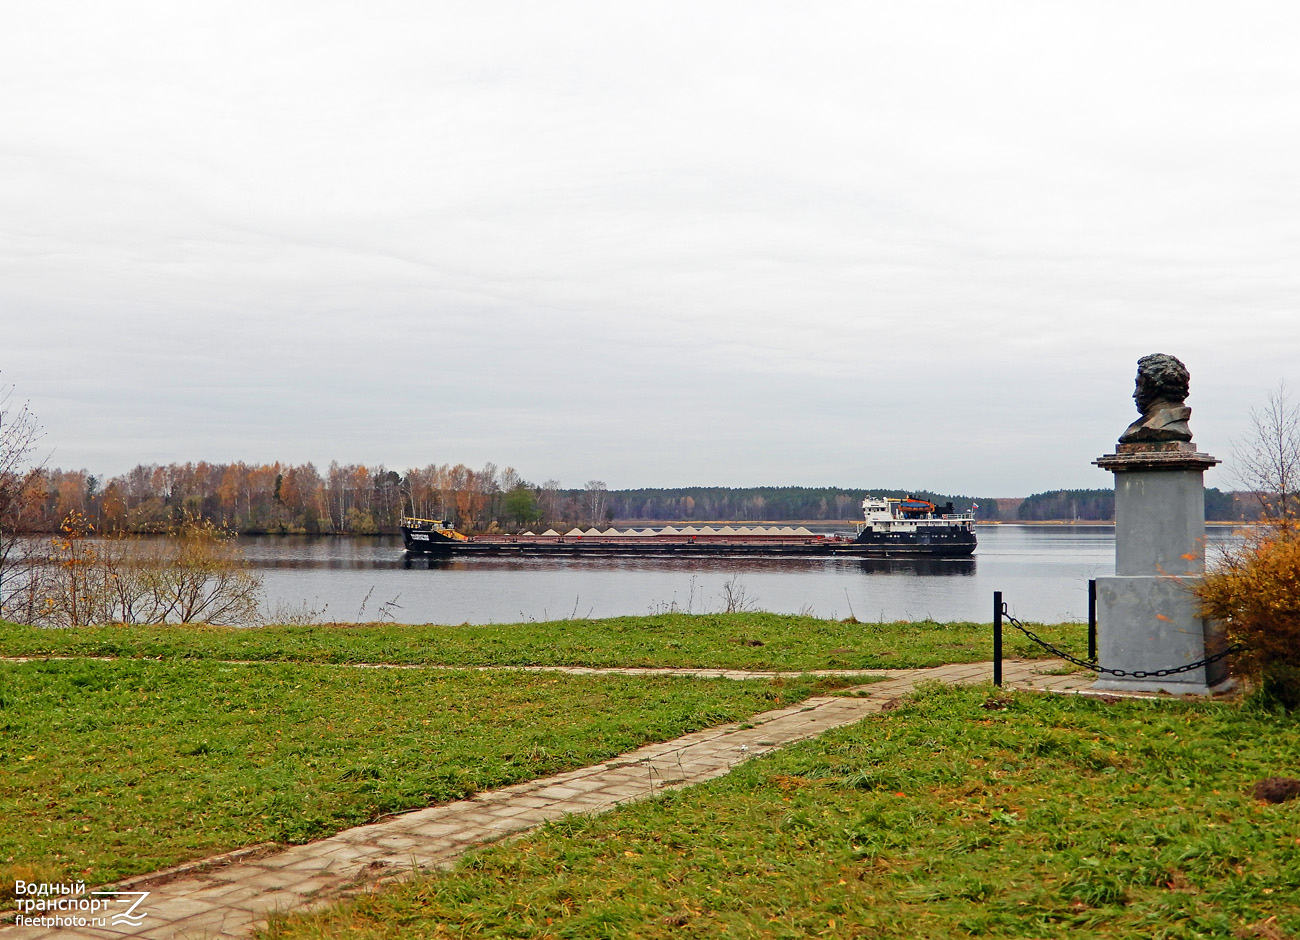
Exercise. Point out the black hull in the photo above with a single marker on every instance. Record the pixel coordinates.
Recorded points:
(428, 543)
(951, 542)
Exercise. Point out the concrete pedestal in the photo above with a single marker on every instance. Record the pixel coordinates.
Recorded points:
(1146, 614)
(1147, 623)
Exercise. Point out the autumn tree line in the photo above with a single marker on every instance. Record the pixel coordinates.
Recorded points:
(354, 499)
(288, 499)
(265, 498)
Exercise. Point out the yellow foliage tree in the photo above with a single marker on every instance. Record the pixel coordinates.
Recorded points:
(1254, 591)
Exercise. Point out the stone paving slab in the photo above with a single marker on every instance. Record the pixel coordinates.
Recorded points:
(232, 901)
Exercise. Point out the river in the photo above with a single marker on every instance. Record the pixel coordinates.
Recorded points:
(1043, 572)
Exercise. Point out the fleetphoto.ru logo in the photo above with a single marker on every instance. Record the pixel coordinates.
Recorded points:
(43, 904)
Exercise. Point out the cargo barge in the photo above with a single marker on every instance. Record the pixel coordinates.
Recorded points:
(890, 528)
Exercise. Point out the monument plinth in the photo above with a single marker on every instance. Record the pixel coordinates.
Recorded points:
(1147, 617)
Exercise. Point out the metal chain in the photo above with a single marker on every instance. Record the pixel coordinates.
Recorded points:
(1133, 674)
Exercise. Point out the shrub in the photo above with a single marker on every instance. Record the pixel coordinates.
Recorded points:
(195, 575)
(1254, 591)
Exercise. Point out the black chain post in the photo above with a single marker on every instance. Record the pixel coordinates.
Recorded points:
(1092, 620)
(997, 638)
(999, 613)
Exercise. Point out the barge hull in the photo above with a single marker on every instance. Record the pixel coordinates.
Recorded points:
(898, 545)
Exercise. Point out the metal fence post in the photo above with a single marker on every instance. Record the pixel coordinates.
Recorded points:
(997, 638)
(1092, 621)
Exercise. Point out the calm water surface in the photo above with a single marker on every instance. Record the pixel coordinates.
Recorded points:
(1042, 571)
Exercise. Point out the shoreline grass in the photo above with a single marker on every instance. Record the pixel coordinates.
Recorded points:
(736, 641)
(123, 767)
(962, 813)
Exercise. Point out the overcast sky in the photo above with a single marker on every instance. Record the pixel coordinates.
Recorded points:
(861, 244)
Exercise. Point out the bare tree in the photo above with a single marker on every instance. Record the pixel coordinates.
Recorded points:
(551, 501)
(1268, 458)
(596, 496)
(19, 480)
(509, 479)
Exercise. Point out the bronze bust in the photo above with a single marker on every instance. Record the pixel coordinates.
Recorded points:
(1162, 385)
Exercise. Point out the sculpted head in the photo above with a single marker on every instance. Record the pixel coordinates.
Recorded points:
(1160, 377)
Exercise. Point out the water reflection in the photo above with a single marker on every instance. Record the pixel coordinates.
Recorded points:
(932, 567)
(1043, 572)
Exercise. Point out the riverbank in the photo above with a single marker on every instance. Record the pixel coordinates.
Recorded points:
(750, 641)
(947, 814)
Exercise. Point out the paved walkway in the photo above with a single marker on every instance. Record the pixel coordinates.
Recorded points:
(694, 672)
(231, 897)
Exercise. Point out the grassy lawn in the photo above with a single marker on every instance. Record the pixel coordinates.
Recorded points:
(741, 641)
(116, 768)
(955, 815)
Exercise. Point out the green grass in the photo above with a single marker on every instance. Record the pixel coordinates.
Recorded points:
(739, 641)
(1049, 817)
(116, 768)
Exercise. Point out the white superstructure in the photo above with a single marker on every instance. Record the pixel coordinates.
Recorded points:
(885, 515)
